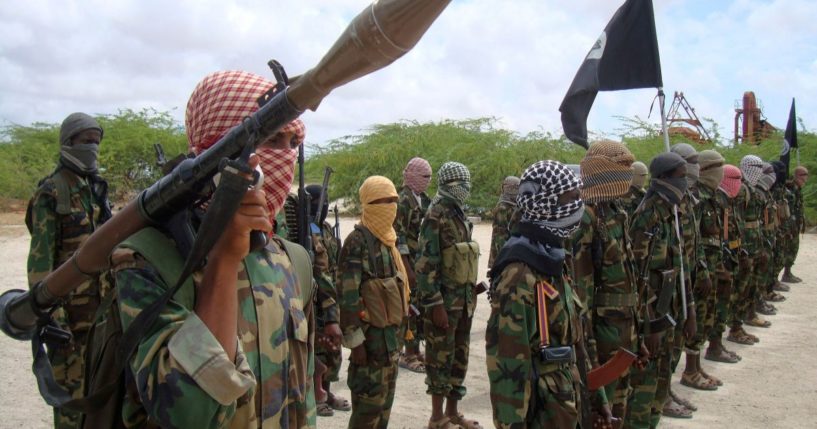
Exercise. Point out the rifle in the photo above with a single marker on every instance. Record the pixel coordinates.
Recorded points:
(304, 220)
(611, 370)
(163, 163)
(381, 33)
(327, 171)
(336, 228)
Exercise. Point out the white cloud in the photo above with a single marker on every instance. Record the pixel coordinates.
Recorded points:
(513, 60)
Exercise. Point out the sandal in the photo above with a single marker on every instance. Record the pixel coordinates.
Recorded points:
(758, 322)
(791, 278)
(324, 410)
(686, 403)
(780, 287)
(443, 423)
(412, 363)
(715, 380)
(465, 423)
(722, 355)
(740, 337)
(676, 410)
(698, 381)
(775, 297)
(337, 403)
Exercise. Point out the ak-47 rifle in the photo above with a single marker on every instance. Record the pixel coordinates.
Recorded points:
(381, 33)
(611, 370)
(324, 195)
(304, 200)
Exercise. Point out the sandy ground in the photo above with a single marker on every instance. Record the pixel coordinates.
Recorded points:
(772, 387)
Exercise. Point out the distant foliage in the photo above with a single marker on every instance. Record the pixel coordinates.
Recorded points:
(28, 153)
(492, 153)
(126, 155)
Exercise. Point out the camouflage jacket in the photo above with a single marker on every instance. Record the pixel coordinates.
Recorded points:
(780, 194)
(752, 214)
(444, 225)
(325, 247)
(632, 200)
(795, 198)
(410, 214)
(711, 212)
(512, 342)
(689, 214)
(56, 236)
(354, 268)
(500, 232)
(603, 266)
(183, 378)
(768, 219)
(655, 246)
(732, 228)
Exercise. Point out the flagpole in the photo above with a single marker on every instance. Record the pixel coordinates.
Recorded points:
(677, 223)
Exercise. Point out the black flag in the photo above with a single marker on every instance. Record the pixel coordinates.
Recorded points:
(624, 57)
(789, 138)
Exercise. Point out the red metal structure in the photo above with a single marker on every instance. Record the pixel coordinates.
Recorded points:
(750, 125)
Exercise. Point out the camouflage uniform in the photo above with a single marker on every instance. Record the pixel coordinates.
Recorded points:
(652, 227)
(727, 273)
(372, 385)
(782, 232)
(446, 349)
(527, 392)
(710, 211)
(606, 284)
(325, 264)
(181, 376)
(500, 232)
(55, 235)
(796, 223)
(768, 233)
(410, 214)
(753, 243)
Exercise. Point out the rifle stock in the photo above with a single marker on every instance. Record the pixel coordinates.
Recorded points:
(611, 370)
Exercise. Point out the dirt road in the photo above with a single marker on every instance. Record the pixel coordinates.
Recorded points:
(774, 385)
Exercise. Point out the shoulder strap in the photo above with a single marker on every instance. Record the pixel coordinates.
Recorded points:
(159, 250)
(63, 191)
(303, 267)
(372, 245)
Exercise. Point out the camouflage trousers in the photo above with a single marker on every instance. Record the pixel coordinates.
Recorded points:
(610, 334)
(790, 248)
(705, 309)
(725, 299)
(447, 355)
(554, 402)
(742, 291)
(332, 359)
(68, 363)
(644, 407)
(372, 388)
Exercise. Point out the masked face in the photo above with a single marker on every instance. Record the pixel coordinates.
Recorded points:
(278, 166)
(82, 152)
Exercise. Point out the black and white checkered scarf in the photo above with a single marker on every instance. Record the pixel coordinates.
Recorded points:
(541, 185)
(454, 182)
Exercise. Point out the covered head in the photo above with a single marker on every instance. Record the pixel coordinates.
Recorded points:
(639, 175)
(664, 182)
(779, 172)
(378, 198)
(690, 155)
(711, 164)
(542, 184)
(730, 184)
(768, 178)
(417, 175)
(221, 101)
(800, 175)
(606, 171)
(509, 190)
(454, 182)
(320, 213)
(751, 167)
(79, 150)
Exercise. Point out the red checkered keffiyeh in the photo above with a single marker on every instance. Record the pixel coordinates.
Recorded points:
(221, 101)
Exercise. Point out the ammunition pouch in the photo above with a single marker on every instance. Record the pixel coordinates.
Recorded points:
(383, 299)
(461, 262)
(711, 241)
(734, 244)
(561, 355)
(667, 291)
(603, 299)
(752, 224)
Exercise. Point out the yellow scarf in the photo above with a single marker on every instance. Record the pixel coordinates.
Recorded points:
(379, 220)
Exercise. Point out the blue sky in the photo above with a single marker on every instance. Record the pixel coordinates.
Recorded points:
(511, 59)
